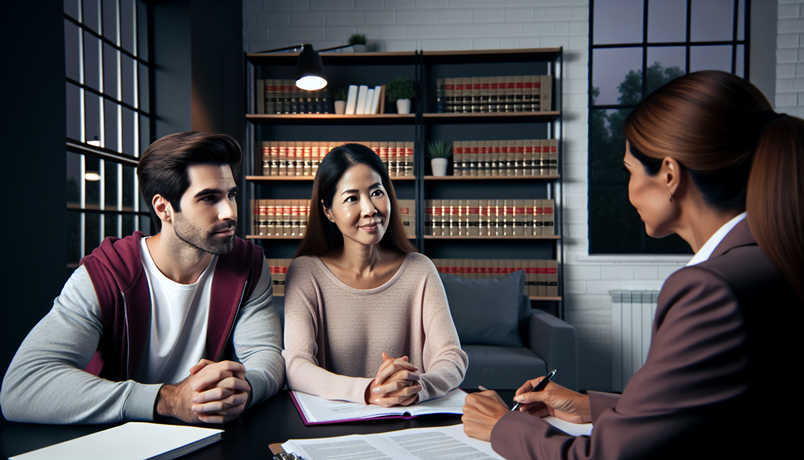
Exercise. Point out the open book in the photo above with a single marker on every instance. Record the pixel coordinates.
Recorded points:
(315, 410)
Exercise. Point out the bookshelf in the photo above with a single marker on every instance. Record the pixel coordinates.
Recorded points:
(424, 125)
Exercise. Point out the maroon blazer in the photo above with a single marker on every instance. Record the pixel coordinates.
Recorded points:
(716, 377)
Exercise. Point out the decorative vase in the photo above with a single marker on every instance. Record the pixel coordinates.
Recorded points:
(340, 107)
(403, 106)
(439, 166)
(359, 48)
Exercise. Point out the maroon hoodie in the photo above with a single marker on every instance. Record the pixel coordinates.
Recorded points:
(120, 283)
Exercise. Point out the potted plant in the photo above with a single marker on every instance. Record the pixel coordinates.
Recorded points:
(439, 151)
(358, 42)
(400, 90)
(339, 96)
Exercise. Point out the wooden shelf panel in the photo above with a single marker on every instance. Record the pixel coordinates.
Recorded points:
(337, 58)
(449, 178)
(540, 237)
(535, 297)
(305, 178)
(264, 237)
(484, 56)
(333, 119)
(504, 117)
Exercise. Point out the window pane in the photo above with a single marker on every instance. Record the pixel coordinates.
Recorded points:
(73, 112)
(145, 225)
(91, 61)
(667, 21)
(111, 117)
(91, 183)
(618, 21)
(92, 235)
(710, 58)
(91, 16)
(111, 182)
(110, 225)
(666, 63)
(607, 146)
(74, 237)
(129, 193)
(129, 132)
(671, 244)
(741, 20)
(712, 20)
(145, 134)
(73, 180)
(617, 75)
(128, 224)
(72, 50)
(144, 88)
(614, 225)
(110, 20)
(128, 80)
(739, 62)
(92, 111)
(110, 71)
(127, 23)
(71, 8)
(142, 30)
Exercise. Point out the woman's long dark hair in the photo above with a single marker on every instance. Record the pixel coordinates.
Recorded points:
(323, 236)
(721, 128)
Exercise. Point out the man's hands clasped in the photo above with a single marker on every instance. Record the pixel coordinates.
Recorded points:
(397, 383)
(213, 393)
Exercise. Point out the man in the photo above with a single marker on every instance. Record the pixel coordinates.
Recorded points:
(146, 326)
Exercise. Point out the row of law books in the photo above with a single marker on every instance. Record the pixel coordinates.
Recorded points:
(301, 158)
(541, 276)
(491, 218)
(284, 97)
(288, 218)
(279, 272)
(528, 157)
(528, 93)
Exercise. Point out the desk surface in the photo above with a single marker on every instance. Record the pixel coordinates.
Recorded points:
(275, 420)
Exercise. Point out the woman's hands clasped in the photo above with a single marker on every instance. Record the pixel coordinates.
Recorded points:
(397, 383)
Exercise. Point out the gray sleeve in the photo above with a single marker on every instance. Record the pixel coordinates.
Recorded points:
(258, 341)
(45, 382)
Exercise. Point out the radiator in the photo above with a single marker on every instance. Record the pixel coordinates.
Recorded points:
(632, 315)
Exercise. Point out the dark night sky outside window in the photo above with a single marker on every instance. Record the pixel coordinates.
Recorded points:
(635, 47)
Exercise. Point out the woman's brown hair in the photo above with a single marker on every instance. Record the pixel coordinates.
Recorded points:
(738, 153)
(323, 236)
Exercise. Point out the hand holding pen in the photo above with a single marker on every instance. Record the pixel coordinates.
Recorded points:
(539, 387)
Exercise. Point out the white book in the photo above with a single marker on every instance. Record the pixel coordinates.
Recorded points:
(361, 100)
(131, 441)
(369, 102)
(375, 105)
(351, 100)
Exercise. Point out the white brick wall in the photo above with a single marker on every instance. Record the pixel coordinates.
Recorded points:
(404, 25)
(790, 58)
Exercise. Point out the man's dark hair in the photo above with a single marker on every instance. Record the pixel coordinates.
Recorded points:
(163, 167)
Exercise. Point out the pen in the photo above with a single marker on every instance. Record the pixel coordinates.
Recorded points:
(538, 387)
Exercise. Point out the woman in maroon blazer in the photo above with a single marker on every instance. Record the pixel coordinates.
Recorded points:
(710, 161)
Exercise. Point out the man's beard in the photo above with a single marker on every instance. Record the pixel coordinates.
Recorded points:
(204, 241)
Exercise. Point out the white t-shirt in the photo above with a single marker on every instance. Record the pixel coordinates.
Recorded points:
(177, 335)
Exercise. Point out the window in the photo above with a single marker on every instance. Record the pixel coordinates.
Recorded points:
(109, 123)
(635, 47)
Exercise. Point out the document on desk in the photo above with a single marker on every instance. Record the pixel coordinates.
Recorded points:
(415, 443)
(132, 441)
(315, 410)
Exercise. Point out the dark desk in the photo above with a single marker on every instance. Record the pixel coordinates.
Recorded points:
(247, 437)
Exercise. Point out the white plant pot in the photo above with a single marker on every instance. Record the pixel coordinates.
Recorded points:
(439, 166)
(403, 106)
(359, 48)
(340, 107)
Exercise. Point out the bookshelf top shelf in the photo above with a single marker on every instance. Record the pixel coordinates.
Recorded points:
(545, 177)
(337, 58)
(467, 237)
(305, 178)
(490, 56)
(333, 119)
(505, 117)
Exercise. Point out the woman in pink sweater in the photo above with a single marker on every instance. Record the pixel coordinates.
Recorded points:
(366, 317)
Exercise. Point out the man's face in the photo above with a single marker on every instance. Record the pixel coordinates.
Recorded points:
(208, 216)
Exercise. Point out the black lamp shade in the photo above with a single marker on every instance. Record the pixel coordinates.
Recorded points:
(310, 70)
